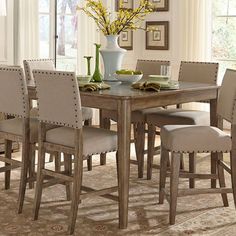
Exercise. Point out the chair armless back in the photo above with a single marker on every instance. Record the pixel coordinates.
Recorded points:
(58, 98)
(201, 72)
(150, 67)
(226, 107)
(38, 64)
(13, 92)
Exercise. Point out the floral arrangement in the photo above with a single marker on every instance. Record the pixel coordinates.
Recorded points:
(125, 18)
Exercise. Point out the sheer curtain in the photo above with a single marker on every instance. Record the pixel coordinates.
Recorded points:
(27, 30)
(88, 34)
(194, 29)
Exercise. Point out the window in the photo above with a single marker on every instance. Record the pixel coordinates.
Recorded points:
(58, 32)
(224, 33)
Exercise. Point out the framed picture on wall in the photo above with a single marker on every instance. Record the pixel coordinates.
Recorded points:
(157, 35)
(126, 39)
(160, 5)
(127, 4)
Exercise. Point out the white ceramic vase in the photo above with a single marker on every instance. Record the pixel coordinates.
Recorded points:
(112, 56)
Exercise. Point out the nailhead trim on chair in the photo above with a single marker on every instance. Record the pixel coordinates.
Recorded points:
(23, 90)
(199, 151)
(27, 68)
(74, 91)
(198, 62)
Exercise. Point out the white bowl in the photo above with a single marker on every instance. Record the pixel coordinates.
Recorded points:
(128, 78)
(84, 78)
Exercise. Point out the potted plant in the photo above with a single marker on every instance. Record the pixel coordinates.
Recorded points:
(125, 19)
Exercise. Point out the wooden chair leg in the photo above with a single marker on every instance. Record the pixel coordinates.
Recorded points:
(77, 182)
(105, 124)
(89, 163)
(139, 147)
(8, 151)
(221, 176)
(24, 174)
(233, 173)
(151, 144)
(89, 160)
(117, 167)
(39, 183)
(182, 161)
(51, 157)
(31, 166)
(163, 172)
(174, 181)
(57, 162)
(192, 168)
(68, 171)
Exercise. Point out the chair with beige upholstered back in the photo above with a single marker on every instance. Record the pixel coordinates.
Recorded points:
(200, 72)
(14, 102)
(138, 118)
(48, 64)
(201, 139)
(71, 138)
(150, 67)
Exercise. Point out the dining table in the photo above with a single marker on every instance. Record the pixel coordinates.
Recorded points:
(124, 99)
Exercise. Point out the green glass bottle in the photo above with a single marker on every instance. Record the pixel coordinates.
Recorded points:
(88, 58)
(97, 77)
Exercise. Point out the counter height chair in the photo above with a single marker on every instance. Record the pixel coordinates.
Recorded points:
(138, 118)
(71, 138)
(14, 102)
(48, 64)
(200, 72)
(201, 139)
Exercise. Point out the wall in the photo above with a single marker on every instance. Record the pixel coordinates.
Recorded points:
(139, 41)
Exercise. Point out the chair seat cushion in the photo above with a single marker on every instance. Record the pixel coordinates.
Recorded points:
(136, 117)
(95, 140)
(178, 117)
(15, 126)
(87, 113)
(194, 138)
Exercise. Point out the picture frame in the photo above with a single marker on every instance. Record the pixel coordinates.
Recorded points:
(160, 5)
(128, 4)
(126, 39)
(157, 35)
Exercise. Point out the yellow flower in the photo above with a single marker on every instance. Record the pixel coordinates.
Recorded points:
(125, 18)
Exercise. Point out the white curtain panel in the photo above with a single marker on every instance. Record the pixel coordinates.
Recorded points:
(88, 34)
(3, 10)
(194, 29)
(27, 32)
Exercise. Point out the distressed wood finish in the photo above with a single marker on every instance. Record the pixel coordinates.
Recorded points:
(123, 99)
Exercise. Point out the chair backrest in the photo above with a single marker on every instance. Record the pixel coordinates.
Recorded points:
(150, 67)
(201, 72)
(13, 92)
(226, 107)
(37, 64)
(58, 98)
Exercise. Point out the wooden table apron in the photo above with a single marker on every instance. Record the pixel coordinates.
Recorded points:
(125, 100)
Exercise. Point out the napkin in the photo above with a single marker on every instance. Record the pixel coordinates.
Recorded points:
(90, 87)
(158, 78)
(155, 86)
(147, 86)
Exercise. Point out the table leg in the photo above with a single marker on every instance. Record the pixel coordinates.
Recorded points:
(124, 129)
(214, 122)
(102, 122)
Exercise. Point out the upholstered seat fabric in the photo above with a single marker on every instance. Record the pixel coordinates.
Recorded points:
(136, 116)
(15, 126)
(95, 140)
(194, 138)
(178, 117)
